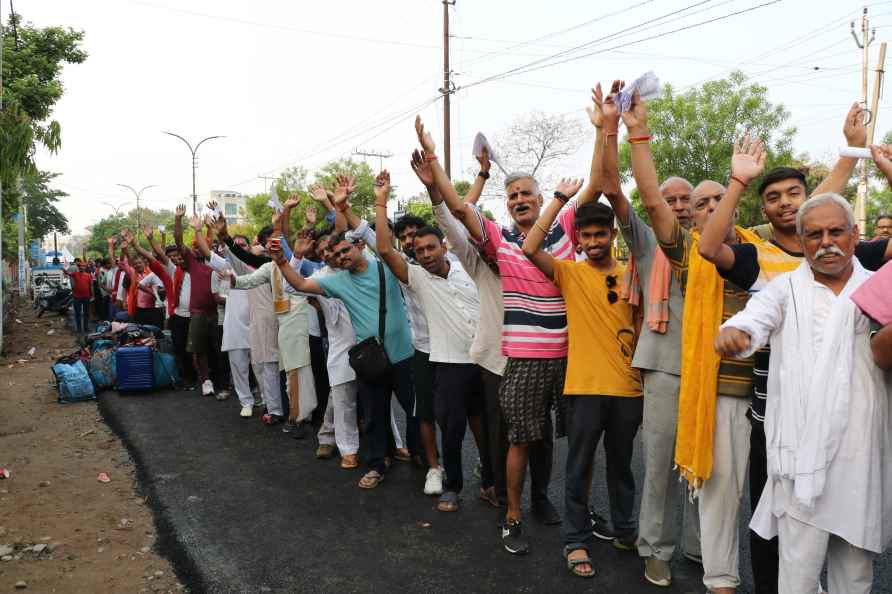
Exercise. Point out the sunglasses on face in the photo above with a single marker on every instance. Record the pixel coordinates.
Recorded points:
(612, 296)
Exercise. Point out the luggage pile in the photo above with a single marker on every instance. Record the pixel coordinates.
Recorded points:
(126, 357)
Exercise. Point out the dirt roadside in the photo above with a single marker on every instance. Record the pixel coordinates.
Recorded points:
(61, 530)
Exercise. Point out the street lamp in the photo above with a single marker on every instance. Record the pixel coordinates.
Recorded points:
(117, 208)
(194, 164)
(137, 194)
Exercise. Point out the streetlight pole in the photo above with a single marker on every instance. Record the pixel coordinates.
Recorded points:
(117, 208)
(194, 164)
(137, 194)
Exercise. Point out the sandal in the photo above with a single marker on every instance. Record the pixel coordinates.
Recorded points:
(402, 454)
(371, 479)
(573, 564)
(488, 495)
(448, 502)
(349, 461)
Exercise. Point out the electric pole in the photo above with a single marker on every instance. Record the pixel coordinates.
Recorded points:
(381, 156)
(266, 179)
(446, 90)
(867, 37)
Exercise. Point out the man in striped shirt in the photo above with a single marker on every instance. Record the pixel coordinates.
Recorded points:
(534, 334)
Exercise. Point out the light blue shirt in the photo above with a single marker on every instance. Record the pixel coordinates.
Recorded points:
(359, 292)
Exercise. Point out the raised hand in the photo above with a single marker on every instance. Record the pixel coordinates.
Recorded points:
(422, 168)
(310, 214)
(195, 223)
(302, 245)
(148, 231)
(111, 240)
(318, 193)
(293, 200)
(882, 157)
(854, 129)
(731, 342)
(344, 186)
(748, 160)
(610, 109)
(568, 186)
(277, 255)
(483, 159)
(212, 205)
(219, 226)
(382, 188)
(595, 110)
(635, 118)
(425, 138)
(180, 212)
(127, 234)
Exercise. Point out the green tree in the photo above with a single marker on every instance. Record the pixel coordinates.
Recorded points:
(363, 198)
(111, 225)
(33, 59)
(693, 133)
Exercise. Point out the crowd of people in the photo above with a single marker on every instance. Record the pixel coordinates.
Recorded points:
(736, 352)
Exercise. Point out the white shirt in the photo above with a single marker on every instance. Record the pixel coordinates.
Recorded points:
(341, 336)
(237, 317)
(452, 307)
(182, 308)
(486, 348)
(221, 288)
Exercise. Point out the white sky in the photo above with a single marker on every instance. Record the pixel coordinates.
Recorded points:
(305, 82)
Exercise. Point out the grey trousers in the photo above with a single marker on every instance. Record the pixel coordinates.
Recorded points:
(658, 525)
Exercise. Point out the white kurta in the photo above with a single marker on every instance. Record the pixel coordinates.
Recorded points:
(341, 336)
(263, 329)
(237, 317)
(856, 501)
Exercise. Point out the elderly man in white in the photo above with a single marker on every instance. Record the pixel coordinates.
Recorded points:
(828, 424)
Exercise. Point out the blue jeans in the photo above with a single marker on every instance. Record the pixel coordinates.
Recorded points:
(81, 315)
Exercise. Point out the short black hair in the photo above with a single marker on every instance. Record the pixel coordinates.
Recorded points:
(428, 230)
(594, 213)
(407, 221)
(780, 174)
(336, 238)
(881, 216)
(170, 249)
(248, 241)
(264, 234)
(373, 224)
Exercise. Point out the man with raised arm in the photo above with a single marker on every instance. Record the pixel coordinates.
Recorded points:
(751, 265)
(603, 399)
(658, 350)
(827, 413)
(534, 334)
(485, 349)
(357, 285)
(449, 300)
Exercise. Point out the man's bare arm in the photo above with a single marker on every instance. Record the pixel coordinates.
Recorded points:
(384, 241)
(856, 135)
(604, 114)
(178, 228)
(480, 181)
(532, 245)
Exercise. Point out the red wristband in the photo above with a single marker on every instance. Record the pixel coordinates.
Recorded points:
(638, 139)
(740, 181)
(430, 157)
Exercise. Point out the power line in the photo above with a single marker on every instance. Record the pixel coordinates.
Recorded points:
(531, 68)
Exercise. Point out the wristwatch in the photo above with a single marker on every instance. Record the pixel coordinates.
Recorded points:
(484, 174)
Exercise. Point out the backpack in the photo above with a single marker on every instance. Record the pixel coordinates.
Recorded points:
(73, 380)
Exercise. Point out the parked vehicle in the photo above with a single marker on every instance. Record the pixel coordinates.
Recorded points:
(52, 296)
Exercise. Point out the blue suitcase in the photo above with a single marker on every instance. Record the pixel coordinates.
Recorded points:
(134, 369)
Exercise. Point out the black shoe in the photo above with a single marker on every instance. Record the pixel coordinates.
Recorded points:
(601, 527)
(299, 431)
(513, 538)
(545, 513)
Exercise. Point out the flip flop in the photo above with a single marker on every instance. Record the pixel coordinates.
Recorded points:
(371, 479)
(573, 564)
(448, 502)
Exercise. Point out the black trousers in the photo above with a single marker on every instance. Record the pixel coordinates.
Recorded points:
(179, 331)
(763, 553)
(496, 434)
(375, 398)
(320, 376)
(458, 394)
(617, 418)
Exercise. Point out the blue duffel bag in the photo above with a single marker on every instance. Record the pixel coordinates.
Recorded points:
(102, 364)
(165, 369)
(73, 380)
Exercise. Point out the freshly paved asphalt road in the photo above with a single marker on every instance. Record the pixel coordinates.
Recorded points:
(245, 508)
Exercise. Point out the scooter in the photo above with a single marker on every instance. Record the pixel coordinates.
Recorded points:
(55, 298)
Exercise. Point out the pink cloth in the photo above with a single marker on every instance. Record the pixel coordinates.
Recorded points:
(535, 323)
(873, 295)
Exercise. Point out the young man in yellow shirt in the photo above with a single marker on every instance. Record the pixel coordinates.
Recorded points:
(602, 390)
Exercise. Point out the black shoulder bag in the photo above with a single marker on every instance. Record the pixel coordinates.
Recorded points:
(368, 358)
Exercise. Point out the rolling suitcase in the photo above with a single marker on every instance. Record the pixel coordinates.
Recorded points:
(134, 368)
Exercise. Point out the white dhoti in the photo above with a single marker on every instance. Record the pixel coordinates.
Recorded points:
(339, 424)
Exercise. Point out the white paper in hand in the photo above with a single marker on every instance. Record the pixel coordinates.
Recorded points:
(274, 200)
(647, 85)
(161, 228)
(480, 143)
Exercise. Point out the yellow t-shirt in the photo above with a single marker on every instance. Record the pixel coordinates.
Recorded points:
(602, 334)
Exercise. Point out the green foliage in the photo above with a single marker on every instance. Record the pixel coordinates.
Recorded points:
(423, 210)
(113, 225)
(43, 215)
(462, 187)
(693, 133)
(33, 59)
(363, 199)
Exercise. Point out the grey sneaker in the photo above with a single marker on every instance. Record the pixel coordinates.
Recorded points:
(657, 572)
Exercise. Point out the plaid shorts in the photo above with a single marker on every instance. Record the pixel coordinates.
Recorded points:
(529, 388)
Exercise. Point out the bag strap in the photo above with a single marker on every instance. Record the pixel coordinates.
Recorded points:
(382, 302)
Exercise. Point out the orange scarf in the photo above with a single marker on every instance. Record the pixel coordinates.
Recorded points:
(657, 314)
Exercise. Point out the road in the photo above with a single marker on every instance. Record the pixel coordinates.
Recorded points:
(244, 508)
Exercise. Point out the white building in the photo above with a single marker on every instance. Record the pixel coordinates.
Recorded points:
(232, 204)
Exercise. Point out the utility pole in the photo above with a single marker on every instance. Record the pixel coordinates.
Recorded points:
(266, 179)
(371, 153)
(446, 91)
(867, 37)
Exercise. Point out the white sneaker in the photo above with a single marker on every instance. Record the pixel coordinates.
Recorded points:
(247, 411)
(433, 484)
(207, 388)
